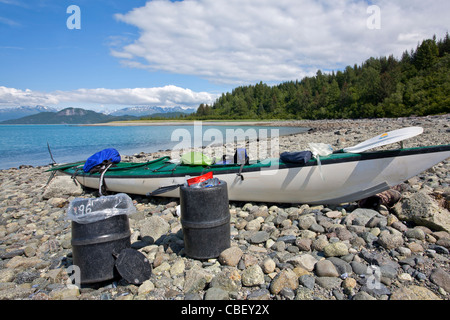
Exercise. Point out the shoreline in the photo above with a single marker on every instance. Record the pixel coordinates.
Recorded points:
(319, 124)
(330, 131)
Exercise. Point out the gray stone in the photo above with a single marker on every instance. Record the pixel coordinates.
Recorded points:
(154, 228)
(363, 296)
(358, 267)
(413, 292)
(336, 249)
(304, 244)
(341, 265)
(306, 221)
(325, 268)
(400, 226)
(368, 237)
(287, 293)
(423, 210)
(228, 279)
(62, 186)
(444, 242)
(304, 294)
(261, 294)
(390, 241)
(259, 237)
(317, 228)
(215, 293)
(374, 287)
(196, 280)
(415, 233)
(441, 278)
(388, 271)
(360, 216)
(338, 295)
(343, 234)
(329, 282)
(305, 261)
(252, 276)
(287, 239)
(307, 281)
(439, 249)
(230, 256)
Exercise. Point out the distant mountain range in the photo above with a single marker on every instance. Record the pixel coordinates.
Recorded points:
(19, 112)
(142, 111)
(45, 115)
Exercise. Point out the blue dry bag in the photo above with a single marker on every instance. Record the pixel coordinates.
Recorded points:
(109, 154)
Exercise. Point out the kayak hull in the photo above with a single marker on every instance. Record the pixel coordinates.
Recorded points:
(338, 179)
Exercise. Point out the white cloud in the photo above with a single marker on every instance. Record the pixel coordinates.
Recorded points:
(158, 96)
(241, 41)
(17, 97)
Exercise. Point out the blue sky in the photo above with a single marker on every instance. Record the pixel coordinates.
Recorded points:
(166, 53)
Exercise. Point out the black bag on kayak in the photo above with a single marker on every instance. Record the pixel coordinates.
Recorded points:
(101, 157)
(300, 157)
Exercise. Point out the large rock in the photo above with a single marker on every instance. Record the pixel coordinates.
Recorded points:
(441, 278)
(62, 186)
(423, 210)
(414, 292)
(154, 228)
(361, 216)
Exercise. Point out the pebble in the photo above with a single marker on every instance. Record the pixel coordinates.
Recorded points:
(325, 268)
(441, 278)
(230, 256)
(259, 237)
(286, 278)
(278, 251)
(253, 276)
(307, 281)
(268, 265)
(335, 249)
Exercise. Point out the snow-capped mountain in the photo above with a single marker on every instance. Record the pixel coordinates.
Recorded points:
(22, 111)
(148, 110)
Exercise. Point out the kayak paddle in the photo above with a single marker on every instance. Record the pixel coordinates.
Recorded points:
(384, 139)
(163, 190)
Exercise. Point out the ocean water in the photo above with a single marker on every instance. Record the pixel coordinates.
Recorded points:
(27, 144)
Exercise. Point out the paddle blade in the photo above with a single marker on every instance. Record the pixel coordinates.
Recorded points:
(385, 138)
(163, 190)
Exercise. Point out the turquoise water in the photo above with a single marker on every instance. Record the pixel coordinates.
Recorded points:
(27, 144)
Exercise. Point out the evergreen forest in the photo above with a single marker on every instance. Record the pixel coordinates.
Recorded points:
(416, 84)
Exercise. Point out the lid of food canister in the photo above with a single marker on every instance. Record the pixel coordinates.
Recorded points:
(133, 266)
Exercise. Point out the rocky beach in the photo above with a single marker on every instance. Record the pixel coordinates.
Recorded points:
(278, 251)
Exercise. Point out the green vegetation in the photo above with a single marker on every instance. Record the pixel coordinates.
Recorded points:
(417, 84)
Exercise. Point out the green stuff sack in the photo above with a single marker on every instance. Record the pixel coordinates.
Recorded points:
(196, 158)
